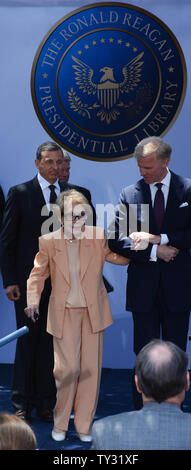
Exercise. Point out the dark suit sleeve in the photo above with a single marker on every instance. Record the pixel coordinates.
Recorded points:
(118, 234)
(180, 239)
(8, 238)
(181, 236)
(2, 205)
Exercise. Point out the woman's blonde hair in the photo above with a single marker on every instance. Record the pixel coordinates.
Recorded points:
(15, 434)
(76, 198)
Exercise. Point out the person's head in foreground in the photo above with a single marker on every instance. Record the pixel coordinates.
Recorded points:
(15, 433)
(161, 372)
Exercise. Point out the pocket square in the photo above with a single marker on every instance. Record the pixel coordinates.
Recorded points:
(184, 204)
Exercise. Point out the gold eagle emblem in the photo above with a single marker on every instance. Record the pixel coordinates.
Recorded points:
(107, 90)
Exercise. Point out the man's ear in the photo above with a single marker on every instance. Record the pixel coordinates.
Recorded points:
(36, 162)
(166, 162)
(137, 385)
(187, 386)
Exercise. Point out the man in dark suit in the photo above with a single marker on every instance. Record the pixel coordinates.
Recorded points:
(33, 383)
(2, 205)
(158, 286)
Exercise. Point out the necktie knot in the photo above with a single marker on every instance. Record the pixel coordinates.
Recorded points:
(53, 195)
(159, 185)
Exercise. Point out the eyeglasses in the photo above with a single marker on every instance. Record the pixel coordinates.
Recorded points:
(73, 217)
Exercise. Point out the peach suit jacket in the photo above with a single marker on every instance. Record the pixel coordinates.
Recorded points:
(52, 260)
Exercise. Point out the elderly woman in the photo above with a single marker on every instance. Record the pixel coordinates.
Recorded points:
(78, 312)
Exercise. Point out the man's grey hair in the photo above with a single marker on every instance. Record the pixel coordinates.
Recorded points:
(161, 369)
(50, 146)
(152, 144)
(66, 156)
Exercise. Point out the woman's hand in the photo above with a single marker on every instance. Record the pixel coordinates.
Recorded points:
(142, 239)
(32, 312)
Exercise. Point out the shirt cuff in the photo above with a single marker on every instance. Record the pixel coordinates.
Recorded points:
(153, 254)
(164, 239)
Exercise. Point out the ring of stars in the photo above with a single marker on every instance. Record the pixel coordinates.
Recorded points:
(103, 41)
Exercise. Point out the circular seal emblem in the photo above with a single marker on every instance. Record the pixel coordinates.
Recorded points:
(106, 76)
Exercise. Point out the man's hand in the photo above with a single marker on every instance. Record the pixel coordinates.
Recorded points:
(30, 311)
(142, 239)
(13, 292)
(167, 253)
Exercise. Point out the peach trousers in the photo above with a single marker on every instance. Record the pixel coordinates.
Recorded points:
(77, 371)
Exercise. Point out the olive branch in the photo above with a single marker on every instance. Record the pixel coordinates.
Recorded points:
(78, 106)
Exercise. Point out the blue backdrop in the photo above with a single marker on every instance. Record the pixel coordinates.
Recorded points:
(21, 30)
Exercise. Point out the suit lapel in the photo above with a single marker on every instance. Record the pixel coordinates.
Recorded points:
(142, 195)
(65, 186)
(61, 257)
(39, 198)
(86, 254)
(175, 198)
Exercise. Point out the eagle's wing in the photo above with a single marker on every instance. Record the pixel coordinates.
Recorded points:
(131, 73)
(83, 76)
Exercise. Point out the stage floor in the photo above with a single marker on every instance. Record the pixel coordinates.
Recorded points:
(115, 397)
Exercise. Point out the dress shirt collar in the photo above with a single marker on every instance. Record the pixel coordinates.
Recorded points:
(161, 407)
(165, 181)
(45, 184)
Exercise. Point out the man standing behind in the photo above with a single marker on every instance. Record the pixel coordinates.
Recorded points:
(33, 383)
(158, 286)
(64, 170)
